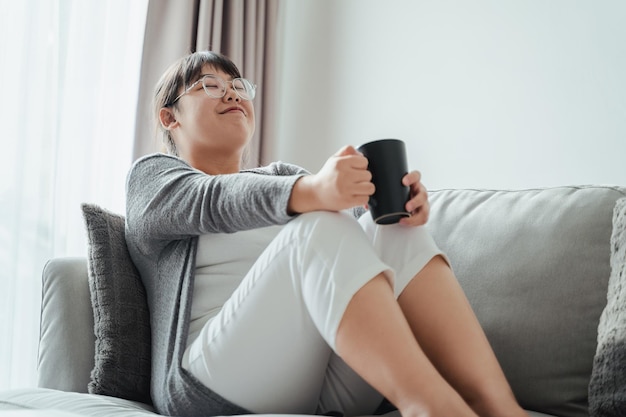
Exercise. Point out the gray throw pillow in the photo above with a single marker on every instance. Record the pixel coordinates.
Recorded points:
(121, 317)
(607, 389)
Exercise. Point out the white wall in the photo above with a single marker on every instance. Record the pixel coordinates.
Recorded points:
(489, 94)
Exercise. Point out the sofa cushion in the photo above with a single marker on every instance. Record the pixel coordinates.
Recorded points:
(66, 314)
(56, 403)
(50, 403)
(534, 264)
(121, 318)
(607, 390)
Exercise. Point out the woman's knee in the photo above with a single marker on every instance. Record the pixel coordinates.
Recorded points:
(331, 238)
(326, 223)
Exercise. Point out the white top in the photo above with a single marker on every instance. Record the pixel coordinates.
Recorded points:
(222, 261)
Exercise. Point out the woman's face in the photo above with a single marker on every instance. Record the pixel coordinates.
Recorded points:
(220, 127)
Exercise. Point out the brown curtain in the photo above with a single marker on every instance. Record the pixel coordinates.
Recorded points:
(243, 30)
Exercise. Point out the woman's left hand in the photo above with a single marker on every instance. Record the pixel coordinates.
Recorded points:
(418, 204)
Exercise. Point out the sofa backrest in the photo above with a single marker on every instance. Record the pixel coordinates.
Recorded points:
(66, 345)
(534, 264)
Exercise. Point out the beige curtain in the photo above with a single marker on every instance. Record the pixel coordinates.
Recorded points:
(244, 30)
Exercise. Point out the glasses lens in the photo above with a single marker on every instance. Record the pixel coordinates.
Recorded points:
(213, 86)
(216, 87)
(244, 88)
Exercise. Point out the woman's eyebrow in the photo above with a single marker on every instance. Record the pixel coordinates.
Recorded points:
(200, 77)
(215, 75)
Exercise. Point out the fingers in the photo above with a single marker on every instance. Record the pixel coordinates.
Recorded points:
(356, 183)
(417, 218)
(344, 180)
(347, 150)
(419, 198)
(363, 189)
(412, 177)
(418, 204)
(352, 195)
(352, 157)
(354, 166)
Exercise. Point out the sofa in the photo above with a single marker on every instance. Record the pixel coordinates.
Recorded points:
(544, 270)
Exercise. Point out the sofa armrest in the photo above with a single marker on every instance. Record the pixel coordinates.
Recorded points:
(66, 343)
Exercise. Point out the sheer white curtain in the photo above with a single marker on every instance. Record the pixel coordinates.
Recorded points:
(69, 76)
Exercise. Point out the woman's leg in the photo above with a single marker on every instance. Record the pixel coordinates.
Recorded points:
(376, 341)
(268, 347)
(406, 250)
(345, 392)
(443, 322)
(443, 340)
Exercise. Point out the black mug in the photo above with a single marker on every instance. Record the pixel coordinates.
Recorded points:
(388, 164)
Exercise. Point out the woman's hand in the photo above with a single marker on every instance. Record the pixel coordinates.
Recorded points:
(343, 182)
(418, 204)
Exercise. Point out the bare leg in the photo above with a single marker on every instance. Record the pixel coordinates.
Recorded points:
(375, 339)
(443, 322)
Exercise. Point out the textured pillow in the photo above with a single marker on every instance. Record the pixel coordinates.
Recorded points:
(607, 389)
(121, 318)
(535, 266)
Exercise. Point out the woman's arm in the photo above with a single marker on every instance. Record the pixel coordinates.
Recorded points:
(342, 183)
(168, 199)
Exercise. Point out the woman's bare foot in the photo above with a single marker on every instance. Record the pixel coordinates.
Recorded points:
(494, 405)
(438, 400)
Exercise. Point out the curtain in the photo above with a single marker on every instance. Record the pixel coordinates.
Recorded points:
(69, 74)
(243, 30)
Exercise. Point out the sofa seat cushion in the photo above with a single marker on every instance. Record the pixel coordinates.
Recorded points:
(81, 404)
(71, 404)
(534, 264)
(35, 413)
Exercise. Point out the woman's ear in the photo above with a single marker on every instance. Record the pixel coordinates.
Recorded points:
(167, 118)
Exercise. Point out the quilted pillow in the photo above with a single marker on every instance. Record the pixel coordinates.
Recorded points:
(121, 317)
(607, 388)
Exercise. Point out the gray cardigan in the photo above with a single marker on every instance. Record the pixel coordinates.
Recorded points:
(169, 204)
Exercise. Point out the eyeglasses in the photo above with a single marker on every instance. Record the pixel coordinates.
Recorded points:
(215, 87)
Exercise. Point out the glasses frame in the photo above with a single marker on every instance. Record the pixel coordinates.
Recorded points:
(220, 79)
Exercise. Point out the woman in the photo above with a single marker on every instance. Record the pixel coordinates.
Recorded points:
(267, 297)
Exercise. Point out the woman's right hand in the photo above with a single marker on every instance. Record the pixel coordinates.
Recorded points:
(343, 182)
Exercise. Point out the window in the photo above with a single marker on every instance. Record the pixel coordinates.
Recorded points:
(69, 76)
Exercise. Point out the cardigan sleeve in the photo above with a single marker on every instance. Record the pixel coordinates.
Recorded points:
(167, 199)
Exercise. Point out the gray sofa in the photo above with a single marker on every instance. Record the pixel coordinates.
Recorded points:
(537, 265)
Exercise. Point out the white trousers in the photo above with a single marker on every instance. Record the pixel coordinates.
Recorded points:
(270, 349)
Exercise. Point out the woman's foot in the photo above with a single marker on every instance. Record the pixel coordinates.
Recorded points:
(498, 405)
(438, 400)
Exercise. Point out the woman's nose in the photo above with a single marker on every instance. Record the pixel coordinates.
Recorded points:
(231, 94)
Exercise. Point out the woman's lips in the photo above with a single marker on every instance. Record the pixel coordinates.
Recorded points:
(233, 109)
